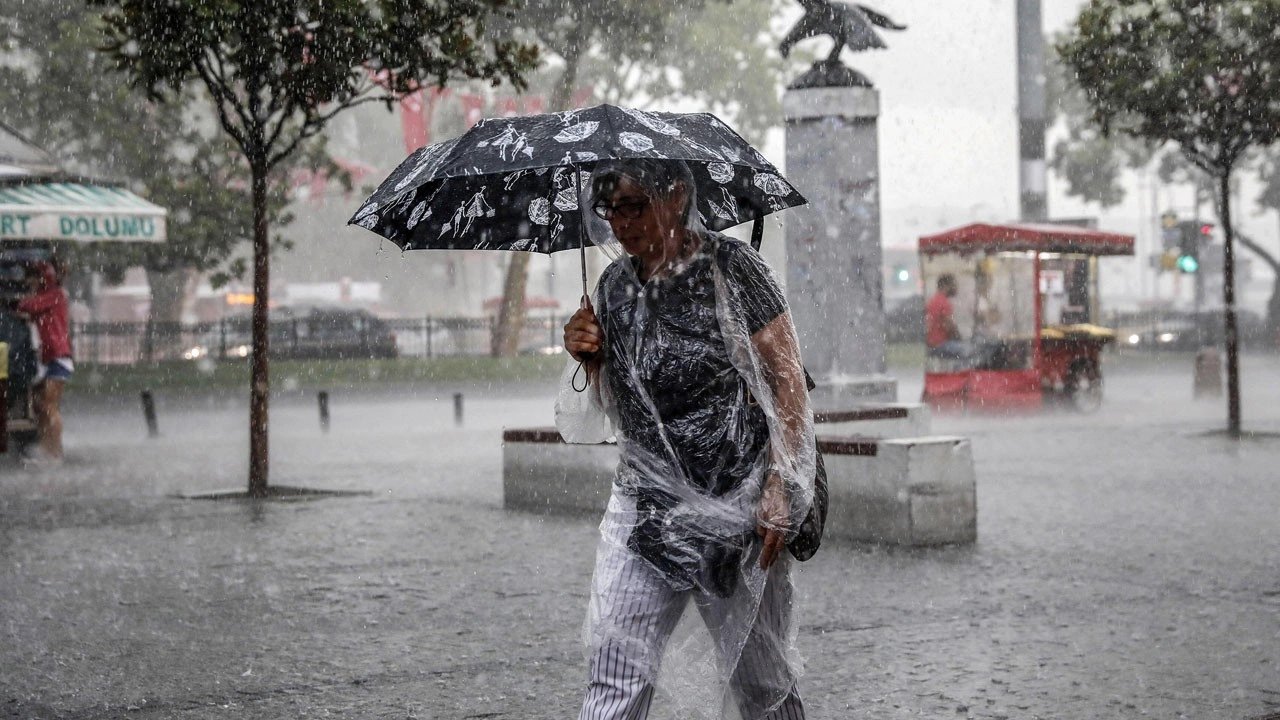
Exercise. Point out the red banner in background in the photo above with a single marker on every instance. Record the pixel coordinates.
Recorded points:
(316, 183)
(413, 121)
(418, 109)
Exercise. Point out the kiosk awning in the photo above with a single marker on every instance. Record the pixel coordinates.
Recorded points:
(982, 237)
(34, 208)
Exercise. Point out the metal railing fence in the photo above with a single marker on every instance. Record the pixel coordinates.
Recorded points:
(306, 337)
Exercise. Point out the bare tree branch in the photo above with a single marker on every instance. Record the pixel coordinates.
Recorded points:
(1271, 260)
(220, 106)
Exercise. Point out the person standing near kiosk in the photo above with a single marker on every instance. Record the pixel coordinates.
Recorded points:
(47, 307)
(941, 334)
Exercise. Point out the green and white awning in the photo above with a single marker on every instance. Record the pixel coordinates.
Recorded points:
(79, 211)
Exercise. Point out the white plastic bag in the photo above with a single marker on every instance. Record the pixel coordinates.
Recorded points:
(580, 415)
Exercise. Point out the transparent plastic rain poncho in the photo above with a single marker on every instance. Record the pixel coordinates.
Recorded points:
(701, 384)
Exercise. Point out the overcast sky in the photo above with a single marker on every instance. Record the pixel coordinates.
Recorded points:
(948, 125)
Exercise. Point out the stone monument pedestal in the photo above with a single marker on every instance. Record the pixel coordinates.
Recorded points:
(834, 283)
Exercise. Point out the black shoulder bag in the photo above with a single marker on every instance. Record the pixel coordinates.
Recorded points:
(809, 536)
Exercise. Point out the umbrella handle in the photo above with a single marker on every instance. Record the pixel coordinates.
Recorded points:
(582, 257)
(587, 357)
(585, 304)
(582, 230)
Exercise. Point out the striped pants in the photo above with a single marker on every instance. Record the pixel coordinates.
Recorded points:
(637, 611)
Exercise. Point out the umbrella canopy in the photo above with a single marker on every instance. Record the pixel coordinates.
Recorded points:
(512, 183)
(53, 208)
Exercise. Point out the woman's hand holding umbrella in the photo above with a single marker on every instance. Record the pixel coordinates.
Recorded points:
(582, 336)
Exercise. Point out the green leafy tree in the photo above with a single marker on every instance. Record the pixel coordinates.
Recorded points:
(1089, 161)
(277, 71)
(1092, 164)
(61, 93)
(1199, 73)
(723, 55)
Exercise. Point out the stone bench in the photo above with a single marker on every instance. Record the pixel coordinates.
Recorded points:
(878, 420)
(904, 491)
(901, 491)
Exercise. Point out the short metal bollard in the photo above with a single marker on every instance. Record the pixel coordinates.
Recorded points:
(457, 409)
(323, 398)
(149, 412)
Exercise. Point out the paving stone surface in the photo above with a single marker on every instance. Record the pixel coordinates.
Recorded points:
(1127, 566)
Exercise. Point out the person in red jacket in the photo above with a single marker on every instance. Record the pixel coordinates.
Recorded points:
(47, 308)
(941, 334)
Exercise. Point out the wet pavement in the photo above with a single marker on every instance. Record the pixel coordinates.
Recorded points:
(1128, 565)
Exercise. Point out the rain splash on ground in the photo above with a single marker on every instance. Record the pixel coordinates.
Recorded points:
(1126, 567)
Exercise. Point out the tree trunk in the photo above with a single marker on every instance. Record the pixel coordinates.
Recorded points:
(259, 381)
(1229, 300)
(168, 298)
(168, 293)
(511, 314)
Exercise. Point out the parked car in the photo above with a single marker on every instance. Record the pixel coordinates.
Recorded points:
(232, 337)
(338, 334)
(904, 322)
(328, 333)
(1165, 335)
(1171, 330)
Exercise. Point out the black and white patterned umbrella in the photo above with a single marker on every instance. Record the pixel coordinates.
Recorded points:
(510, 184)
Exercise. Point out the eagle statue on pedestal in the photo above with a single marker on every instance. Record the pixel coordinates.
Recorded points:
(848, 25)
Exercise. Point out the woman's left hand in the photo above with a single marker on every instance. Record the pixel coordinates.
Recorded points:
(772, 518)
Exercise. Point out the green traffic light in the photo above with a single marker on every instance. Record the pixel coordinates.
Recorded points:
(1188, 264)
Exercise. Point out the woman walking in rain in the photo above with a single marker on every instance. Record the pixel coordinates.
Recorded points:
(692, 357)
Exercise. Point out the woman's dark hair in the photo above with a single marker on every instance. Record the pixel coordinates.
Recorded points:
(655, 177)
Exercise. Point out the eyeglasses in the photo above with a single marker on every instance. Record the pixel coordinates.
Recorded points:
(629, 210)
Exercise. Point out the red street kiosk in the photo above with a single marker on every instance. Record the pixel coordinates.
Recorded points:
(1010, 315)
